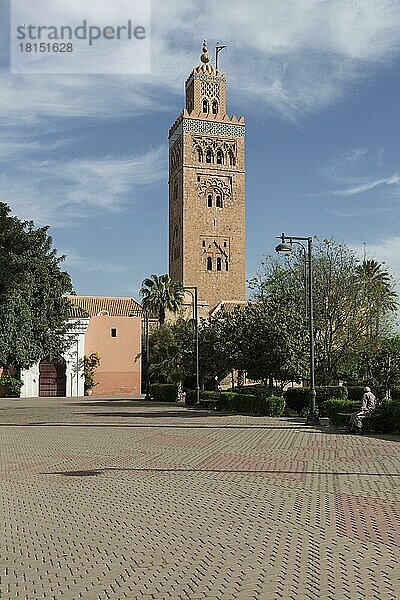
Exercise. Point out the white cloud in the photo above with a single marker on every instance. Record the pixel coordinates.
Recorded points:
(61, 192)
(369, 185)
(295, 56)
(337, 169)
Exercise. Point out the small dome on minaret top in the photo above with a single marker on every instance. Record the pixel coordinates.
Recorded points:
(204, 57)
(205, 67)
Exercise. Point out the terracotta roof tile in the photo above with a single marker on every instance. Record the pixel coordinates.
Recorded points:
(94, 306)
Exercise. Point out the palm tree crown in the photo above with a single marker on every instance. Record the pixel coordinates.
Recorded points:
(160, 294)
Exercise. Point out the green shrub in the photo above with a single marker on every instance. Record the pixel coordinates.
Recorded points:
(329, 392)
(258, 390)
(190, 398)
(388, 418)
(355, 392)
(333, 406)
(271, 406)
(298, 399)
(164, 392)
(12, 384)
(234, 402)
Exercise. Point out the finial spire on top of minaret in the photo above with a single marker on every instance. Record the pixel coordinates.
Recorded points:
(204, 57)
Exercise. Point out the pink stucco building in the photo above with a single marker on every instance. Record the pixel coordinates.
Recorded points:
(114, 331)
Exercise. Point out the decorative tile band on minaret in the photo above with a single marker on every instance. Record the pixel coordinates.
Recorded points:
(207, 190)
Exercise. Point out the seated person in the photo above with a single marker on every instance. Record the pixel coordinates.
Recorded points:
(367, 408)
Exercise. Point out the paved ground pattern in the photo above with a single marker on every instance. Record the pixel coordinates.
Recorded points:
(127, 499)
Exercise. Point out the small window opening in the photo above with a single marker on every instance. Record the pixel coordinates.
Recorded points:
(209, 156)
(220, 157)
(204, 244)
(231, 159)
(198, 178)
(200, 155)
(215, 107)
(209, 200)
(209, 263)
(205, 106)
(225, 244)
(226, 266)
(219, 264)
(218, 202)
(113, 332)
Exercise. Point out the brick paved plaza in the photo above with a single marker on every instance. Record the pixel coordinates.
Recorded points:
(127, 499)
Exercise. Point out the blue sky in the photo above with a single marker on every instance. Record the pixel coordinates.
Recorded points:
(318, 84)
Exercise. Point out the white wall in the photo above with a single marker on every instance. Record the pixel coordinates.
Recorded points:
(74, 360)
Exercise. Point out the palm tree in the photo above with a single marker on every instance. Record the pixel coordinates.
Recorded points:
(160, 294)
(379, 294)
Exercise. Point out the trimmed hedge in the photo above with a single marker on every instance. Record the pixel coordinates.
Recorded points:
(12, 385)
(258, 390)
(298, 399)
(388, 418)
(339, 405)
(271, 406)
(164, 392)
(355, 392)
(190, 398)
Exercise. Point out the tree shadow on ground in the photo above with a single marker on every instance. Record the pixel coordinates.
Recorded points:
(95, 472)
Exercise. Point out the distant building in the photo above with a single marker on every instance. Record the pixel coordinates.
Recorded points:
(109, 326)
(207, 191)
(114, 331)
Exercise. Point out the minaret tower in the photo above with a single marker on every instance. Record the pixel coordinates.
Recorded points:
(207, 191)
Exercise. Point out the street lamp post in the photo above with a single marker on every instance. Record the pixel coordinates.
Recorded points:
(192, 290)
(284, 247)
(147, 342)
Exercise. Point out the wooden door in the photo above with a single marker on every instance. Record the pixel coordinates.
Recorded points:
(52, 379)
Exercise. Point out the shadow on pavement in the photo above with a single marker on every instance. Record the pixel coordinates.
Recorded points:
(95, 472)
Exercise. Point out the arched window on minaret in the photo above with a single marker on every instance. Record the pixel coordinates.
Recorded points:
(209, 263)
(215, 107)
(209, 156)
(232, 160)
(206, 106)
(209, 201)
(220, 157)
(226, 266)
(218, 201)
(219, 263)
(200, 155)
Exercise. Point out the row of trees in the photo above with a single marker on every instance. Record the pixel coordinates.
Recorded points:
(355, 309)
(355, 326)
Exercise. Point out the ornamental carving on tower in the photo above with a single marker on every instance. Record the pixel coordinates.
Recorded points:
(215, 183)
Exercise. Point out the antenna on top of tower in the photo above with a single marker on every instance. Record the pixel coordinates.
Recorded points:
(218, 49)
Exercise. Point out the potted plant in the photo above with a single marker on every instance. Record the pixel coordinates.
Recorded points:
(90, 364)
(11, 385)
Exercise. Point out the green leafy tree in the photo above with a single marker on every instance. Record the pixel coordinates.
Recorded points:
(346, 301)
(161, 294)
(378, 364)
(171, 353)
(33, 310)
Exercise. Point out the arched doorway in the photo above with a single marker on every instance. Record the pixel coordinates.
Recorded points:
(52, 379)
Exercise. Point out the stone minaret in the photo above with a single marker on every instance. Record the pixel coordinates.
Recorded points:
(206, 191)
